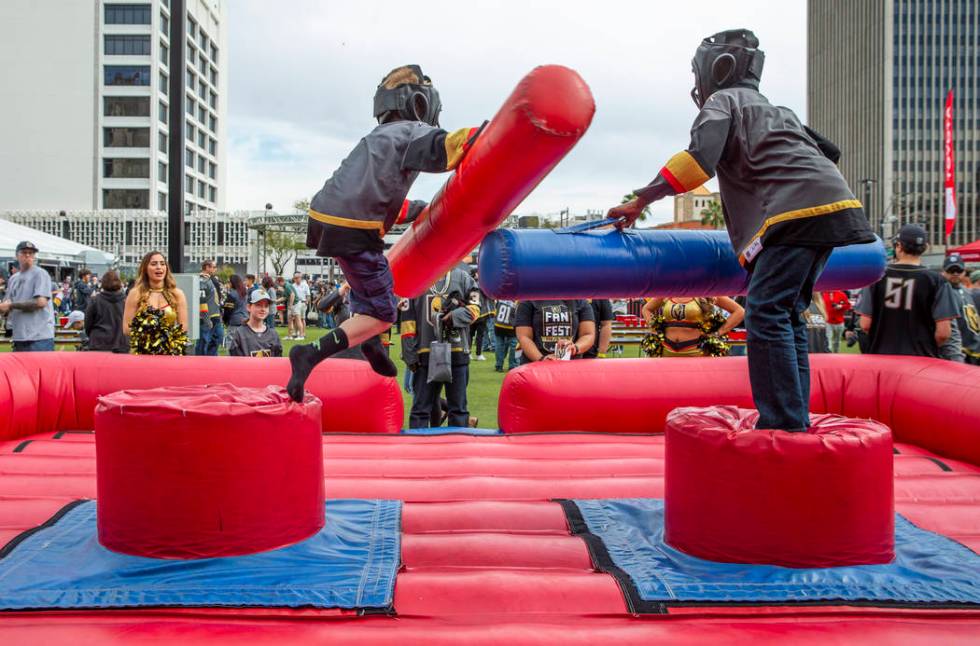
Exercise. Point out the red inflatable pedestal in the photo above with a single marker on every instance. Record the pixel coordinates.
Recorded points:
(734, 494)
(202, 471)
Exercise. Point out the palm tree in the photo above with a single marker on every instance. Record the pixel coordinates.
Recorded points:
(712, 215)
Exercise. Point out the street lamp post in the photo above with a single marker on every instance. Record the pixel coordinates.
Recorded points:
(867, 181)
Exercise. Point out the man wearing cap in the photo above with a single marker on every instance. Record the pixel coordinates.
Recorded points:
(28, 303)
(910, 310)
(968, 321)
(255, 338)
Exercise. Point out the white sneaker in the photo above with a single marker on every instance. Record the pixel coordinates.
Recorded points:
(480, 357)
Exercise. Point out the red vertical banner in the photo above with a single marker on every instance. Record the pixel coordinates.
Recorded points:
(949, 182)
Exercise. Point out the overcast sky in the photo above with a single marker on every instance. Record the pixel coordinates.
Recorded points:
(303, 73)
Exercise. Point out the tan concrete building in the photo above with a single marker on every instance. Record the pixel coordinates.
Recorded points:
(688, 206)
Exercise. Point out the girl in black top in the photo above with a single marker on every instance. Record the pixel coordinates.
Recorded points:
(547, 329)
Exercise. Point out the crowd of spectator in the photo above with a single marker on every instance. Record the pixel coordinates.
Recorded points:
(912, 310)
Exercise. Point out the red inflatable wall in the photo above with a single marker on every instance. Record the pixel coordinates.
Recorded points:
(929, 402)
(52, 391)
(547, 113)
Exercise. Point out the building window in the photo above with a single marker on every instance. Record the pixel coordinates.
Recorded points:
(200, 164)
(190, 184)
(213, 102)
(212, 170)
(163, 112)
(164, 54)
(203, 41)
(127, 167)
(202, 89)
(202, 114)
(190, 105)
(164, 84)
(127, 45)
(211, 194)
(201, 139)
(164, 25)
(126, 106)
(190, 131)
(126, 137)
(127, 14)
(213, 147)
(189, 157)
(125, 198)
(162, 142)
(214, 77)
(161, 171)
(200, 190)
(213, 123)
(192, 28)
(202, 65)
(162, 201)
(190, 79)
(214, 53)
(127, 74)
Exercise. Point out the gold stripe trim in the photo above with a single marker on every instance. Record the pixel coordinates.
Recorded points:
(407, 327)
(686, 170)
(348, 223)
(809, 212)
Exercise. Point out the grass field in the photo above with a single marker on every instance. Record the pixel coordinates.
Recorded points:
(483, 390)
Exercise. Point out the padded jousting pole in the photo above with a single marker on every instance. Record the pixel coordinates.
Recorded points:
(543, 264)
(538, 124)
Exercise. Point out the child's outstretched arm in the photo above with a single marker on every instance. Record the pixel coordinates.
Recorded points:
(434, 150)
(689, 168)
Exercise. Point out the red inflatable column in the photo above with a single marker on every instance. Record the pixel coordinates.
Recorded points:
(545, 115)
(202, 471)
(823, 498)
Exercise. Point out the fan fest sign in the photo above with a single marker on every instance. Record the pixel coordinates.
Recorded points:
(950, 179)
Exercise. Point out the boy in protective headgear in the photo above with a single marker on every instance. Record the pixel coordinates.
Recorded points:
(350, 215)
(786, 207)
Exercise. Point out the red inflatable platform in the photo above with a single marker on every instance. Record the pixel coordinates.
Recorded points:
(487, 556)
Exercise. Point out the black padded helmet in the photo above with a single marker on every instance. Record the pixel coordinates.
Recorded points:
(405, 93)
(725, 59)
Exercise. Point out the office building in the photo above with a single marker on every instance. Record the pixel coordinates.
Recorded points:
(878, 72)
(85, 118)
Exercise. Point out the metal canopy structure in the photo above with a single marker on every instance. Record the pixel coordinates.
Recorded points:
(269, 221)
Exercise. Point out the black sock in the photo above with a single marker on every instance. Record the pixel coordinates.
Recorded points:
(374, 352)
(303, 358)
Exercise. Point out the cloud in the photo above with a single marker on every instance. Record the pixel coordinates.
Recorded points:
(303, 74)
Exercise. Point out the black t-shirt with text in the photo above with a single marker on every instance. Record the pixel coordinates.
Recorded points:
(904, 307)
(552, 320)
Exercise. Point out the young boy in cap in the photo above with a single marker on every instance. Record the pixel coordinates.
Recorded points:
(350, 215)
(910, 310)
(255, 338)
(786, 207)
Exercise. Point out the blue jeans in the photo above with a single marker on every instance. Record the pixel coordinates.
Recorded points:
(211, 338)
(780, 291)
(504, 349)
(42, 345)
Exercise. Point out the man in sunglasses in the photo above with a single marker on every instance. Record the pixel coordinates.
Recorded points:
(968, 320)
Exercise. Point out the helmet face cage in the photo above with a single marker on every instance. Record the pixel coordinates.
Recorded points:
(724, 59)
(408, 101)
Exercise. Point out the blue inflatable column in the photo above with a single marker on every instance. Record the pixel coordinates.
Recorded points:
(542, 264)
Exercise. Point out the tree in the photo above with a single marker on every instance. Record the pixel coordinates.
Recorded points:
(644, 214)
(712, 215)
(302, 205)
(282, 247)
(224, 273)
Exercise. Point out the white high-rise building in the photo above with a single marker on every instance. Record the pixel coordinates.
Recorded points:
(84, 120)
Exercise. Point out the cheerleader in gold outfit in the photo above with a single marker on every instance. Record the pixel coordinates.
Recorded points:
(155, 317)
(689, 327)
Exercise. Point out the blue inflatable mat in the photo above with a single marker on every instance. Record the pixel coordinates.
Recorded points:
(351, 563)
(451, 430)
(625, 538)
